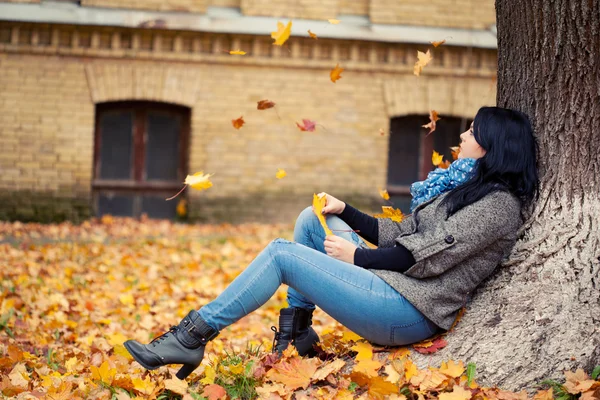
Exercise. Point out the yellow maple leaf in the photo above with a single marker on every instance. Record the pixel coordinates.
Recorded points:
(452, 369)
(294, 372)
(334, 21)
(390, 212)
(392, 375)
(336, 73)
(105, 373)
(237, 52)
(209, 376)
(384, 194)
(437, 158)
(422, 60)
(145, 386)
(379, 388)
(318, 204)
(458, 393)
(199, 180)
(282, 34)
(280, 173)
(178, 386)
(410, 369)
(350, 336)
(126, 299)
(364, 350)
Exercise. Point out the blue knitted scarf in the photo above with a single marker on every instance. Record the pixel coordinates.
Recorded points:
(441, 180)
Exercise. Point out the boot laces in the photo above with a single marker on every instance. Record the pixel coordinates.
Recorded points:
(277, 336)
(162, 337)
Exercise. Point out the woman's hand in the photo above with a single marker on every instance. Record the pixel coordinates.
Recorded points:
(332, 205)
(340, 248)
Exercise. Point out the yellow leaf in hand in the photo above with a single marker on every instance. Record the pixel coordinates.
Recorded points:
(280, 174)
(282, 34)
(198, 181)
(318, 204)
(437, 158)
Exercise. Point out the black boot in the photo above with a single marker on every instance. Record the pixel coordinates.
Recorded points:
(295, 327)
(182, 344)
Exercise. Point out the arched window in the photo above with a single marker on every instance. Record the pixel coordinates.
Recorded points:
(410, 150)
(140, 158)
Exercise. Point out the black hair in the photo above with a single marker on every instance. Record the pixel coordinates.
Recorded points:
(509, 163)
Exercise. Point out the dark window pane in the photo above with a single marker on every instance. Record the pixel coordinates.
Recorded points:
(403, 159)
(447, 134)
(402, 202)
(115, 204)
(116, 150)
(157, 207)
(162, 146)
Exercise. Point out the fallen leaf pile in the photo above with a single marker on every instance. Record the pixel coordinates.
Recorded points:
(71, 295)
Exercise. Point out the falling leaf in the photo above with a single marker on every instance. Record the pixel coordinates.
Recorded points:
(282, 34)
(214, 392)
(318, 204)
(280, 173)
(458, 393)
(433, 118)
(452, 369)
(439, 43)
(238, 123)
(334, 21)
(381, 131)
(390, 212)
(178, 386)
(199, 180)
(455, 152)
(384, 194)
(293, 373)
(265, 104)
(181, 208)
(312, 35)
(336, 73)
(307, 125)
(433, 347)
(237, 52)
(437, 158)
(422, 60)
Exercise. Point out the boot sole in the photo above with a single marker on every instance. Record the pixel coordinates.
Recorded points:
(135, 357)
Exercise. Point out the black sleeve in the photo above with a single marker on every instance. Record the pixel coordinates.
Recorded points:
(367, 225)
(397, 258)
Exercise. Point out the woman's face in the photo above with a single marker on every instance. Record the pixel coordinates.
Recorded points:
(469, 148)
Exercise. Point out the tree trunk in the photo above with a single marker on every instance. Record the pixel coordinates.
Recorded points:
(539, 315)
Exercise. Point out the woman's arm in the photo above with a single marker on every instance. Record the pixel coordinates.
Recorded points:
(397, 258)
(367, 225)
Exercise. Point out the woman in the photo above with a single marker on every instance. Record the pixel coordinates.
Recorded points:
(464, 221)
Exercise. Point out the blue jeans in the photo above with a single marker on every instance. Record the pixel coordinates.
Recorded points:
(354, 296)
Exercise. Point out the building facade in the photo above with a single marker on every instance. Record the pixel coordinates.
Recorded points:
(106, 105)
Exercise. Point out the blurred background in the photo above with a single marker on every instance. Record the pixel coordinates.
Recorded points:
(107, 105)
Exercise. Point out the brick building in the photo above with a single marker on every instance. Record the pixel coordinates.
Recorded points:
(106, 105)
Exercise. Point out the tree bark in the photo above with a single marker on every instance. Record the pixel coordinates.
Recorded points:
(539, 315)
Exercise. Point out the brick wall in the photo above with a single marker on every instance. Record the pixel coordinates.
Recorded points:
(469, 14)
(197, 6)
(47, 108)
(308, 9)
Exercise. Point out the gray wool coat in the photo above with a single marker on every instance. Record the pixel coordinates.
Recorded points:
(452, 256)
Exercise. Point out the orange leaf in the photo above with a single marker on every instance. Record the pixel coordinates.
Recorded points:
(237, 52)
(237, 123)
(433, 118)
(444, 165)
(455, 152)
(307, 125)
(328, 369)
(282, 34)
(364, 350)
(294, 373)
(381, 389)
(176, 386)
(336, 73)
(214, 392)
(544, 395)
(422, 60)
(368, 367)
(265, 104)
(439, 43)
(384, 194)
(390, 212)
(312, 35)
(452, 369)
(458, 393)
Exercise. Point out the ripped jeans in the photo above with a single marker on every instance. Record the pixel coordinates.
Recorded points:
(356, 297)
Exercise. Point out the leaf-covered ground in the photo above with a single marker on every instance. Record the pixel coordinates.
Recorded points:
(71, 295)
